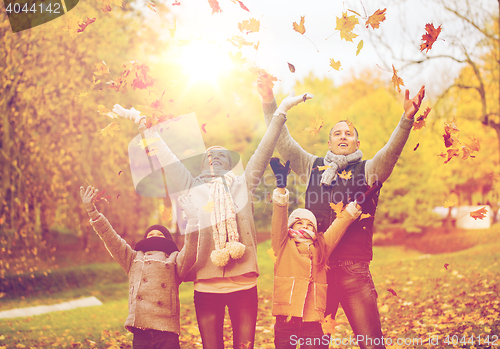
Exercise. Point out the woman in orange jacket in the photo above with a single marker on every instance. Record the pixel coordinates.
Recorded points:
(300, 284)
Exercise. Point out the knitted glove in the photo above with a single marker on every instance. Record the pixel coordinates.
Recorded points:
(186, 203)
(291, 101)
(281, 172)
(367, 196)
(131, 113)
(88, 197)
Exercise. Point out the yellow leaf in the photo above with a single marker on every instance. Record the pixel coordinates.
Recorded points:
(323, 168)
(105, 111)
(209, 207)
(345, 25)
(360, 46)
(101, 69)
(300, 28)
(345, 175)
(316, 125)
(384, 308)
(396, 80)
(167, 214)
(335, 64)
(270, 252)
(338, 207)
(364, 215)
(151, 6)
(375, 19)
(449, 203)
(110, 129)
(252, 25)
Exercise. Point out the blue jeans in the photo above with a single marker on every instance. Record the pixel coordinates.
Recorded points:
(154, 339)
(210, 310)
(309, 335)
(352, 286)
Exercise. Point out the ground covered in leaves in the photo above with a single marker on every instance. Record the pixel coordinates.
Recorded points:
(444, 300)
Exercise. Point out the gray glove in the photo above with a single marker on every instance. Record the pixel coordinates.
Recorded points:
(290, 101)
(88, 197)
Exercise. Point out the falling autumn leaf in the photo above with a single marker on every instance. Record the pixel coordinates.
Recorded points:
(250, 26)
(203, 128)
(345, 175)
(266, 78)
(346, 24)
(396, 80)
(420, 120)
(375, 19)
(107, 5)
(337, 208)
(392, 291)
(364, 215)
(446, 266)
(416, 147)
(176, 3)
(100, 196)
(209, 207)
(315, 125)
(323, 168)
(291, 67)
(300, 28)
(119, 173)
(214, 4)
(350, 125)
(83, 25)
(430, 37)
(335, 64)
(241, 5)
(359, 47)
(166, 214)
(151, 6)
(328, 325)
(135, 75)
(105, 111)
(239, 42)
(110, 129)
(101, 69)
(449, 203)
(270, 252)
(481, 213)
(474, 146)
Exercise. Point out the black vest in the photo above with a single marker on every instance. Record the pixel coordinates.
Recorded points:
(356, 243)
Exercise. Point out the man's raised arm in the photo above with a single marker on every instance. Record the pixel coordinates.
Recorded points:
(380, 167)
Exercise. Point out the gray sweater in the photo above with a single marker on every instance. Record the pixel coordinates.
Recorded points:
(154, 278)
(242, 190)
(377, 169)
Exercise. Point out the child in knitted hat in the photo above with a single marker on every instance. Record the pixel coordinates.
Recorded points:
(300, 284)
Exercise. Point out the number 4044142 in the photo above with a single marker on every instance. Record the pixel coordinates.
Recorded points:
(18, 8)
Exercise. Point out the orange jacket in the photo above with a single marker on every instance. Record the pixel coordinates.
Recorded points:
(300, 284)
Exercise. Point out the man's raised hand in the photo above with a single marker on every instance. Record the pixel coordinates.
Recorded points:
(291, 101)
(411, 106)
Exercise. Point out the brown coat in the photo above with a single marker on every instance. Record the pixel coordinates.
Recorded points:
(154, 278)
(300, 284)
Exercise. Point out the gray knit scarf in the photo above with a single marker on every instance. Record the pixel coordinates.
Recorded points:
(337, 163)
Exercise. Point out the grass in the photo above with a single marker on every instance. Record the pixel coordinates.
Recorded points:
(435, 296)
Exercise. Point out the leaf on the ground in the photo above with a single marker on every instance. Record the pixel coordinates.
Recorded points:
(396, 80)
(250, 26)
(346, 24)
(479, 214)
(420, 120)
(214, 5)
(300, 28)
(335, 64)
(359, 47)
(375, 19)
(345, 175)
(110, 129)
(315, 125)
(429, 37)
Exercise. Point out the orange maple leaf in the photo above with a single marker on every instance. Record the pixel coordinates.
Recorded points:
(335, 64)
(346, 24)
(364, 215)
(266, 78)
(135, 75)
(328, 325)
(396, 80)
(300, 28)
(251, 26)
(316, 125)
(474, 146)
(430, 37)
(337, 208)
(451, 132)
(83, 25)
(375, 19)
(481, 213)
(345, 175)
(214, 4)
(101, 69)
(420, 120)
(449, 203)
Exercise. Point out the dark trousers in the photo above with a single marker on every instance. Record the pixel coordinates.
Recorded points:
(352, 286)
(309, 335)
(154, 339)
(210, 311)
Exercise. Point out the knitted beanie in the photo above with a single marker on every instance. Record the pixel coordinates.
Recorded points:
(161, 228)
(302, 213)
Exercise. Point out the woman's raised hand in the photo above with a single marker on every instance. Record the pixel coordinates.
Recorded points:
(88, 197)
(291, 101)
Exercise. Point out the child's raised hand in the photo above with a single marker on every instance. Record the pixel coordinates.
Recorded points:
(281, 172)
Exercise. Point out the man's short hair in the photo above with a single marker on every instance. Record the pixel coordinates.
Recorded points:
(355, 130)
